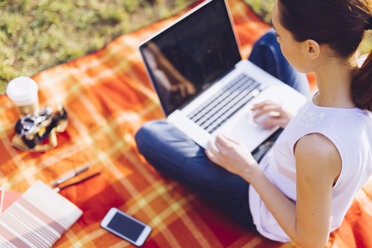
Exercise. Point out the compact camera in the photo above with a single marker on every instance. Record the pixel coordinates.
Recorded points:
(32, 129)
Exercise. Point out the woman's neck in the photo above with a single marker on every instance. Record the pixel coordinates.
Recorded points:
(333, 77)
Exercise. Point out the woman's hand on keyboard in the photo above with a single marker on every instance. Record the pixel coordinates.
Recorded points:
(270, 114)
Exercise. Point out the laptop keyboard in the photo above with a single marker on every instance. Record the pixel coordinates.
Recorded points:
(225, 103)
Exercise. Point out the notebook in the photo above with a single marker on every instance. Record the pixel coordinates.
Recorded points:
(203, 85)
(38, 218)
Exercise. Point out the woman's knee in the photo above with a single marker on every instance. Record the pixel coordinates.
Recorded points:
(268, 38)
(156, 138)
(145, 135)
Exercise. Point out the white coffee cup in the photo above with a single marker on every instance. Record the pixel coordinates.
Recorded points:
(23, 93)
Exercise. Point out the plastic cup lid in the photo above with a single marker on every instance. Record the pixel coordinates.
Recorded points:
(22, 90)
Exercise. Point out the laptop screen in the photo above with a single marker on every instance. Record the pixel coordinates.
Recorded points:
(190, 55)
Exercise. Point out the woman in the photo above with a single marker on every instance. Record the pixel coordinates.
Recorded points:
(303, 187)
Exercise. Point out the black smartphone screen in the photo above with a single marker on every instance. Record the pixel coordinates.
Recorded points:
(126, 226)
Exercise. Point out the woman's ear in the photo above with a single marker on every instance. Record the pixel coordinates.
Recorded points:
(311, 49)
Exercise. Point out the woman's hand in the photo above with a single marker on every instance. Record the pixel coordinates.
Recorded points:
(270, 114)
(232, 156)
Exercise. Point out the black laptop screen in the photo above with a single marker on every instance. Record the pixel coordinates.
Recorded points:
(187, 57)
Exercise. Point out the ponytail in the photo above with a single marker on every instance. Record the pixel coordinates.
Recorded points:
(361, 85)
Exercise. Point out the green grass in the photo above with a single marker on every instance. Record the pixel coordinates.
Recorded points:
(262, 8)
(39, 34)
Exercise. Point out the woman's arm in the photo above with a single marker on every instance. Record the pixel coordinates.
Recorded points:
(307, 222)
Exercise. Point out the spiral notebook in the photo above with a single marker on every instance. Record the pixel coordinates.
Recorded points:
(37, 219)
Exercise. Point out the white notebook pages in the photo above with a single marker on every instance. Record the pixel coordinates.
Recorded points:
(37, 219)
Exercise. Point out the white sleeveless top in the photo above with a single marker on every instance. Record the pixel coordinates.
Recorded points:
(350, 130)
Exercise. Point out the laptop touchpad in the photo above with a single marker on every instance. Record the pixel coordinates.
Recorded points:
(244, 130)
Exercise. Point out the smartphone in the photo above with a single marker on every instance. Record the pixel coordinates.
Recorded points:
(125, 226)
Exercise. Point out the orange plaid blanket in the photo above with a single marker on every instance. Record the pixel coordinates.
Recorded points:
(108, 97)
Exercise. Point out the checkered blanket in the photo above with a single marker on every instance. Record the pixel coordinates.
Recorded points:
(108, 97)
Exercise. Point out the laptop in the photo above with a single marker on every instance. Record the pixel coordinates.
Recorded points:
(203, 85)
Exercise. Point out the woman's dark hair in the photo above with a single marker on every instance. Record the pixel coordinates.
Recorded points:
(341, 24)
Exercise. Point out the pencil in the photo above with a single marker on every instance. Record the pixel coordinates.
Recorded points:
(80, 181)
(70, 175)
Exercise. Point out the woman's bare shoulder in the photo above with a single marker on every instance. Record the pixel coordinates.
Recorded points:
(318, 156)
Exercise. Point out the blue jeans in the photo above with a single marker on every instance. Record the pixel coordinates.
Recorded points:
(175, 155)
